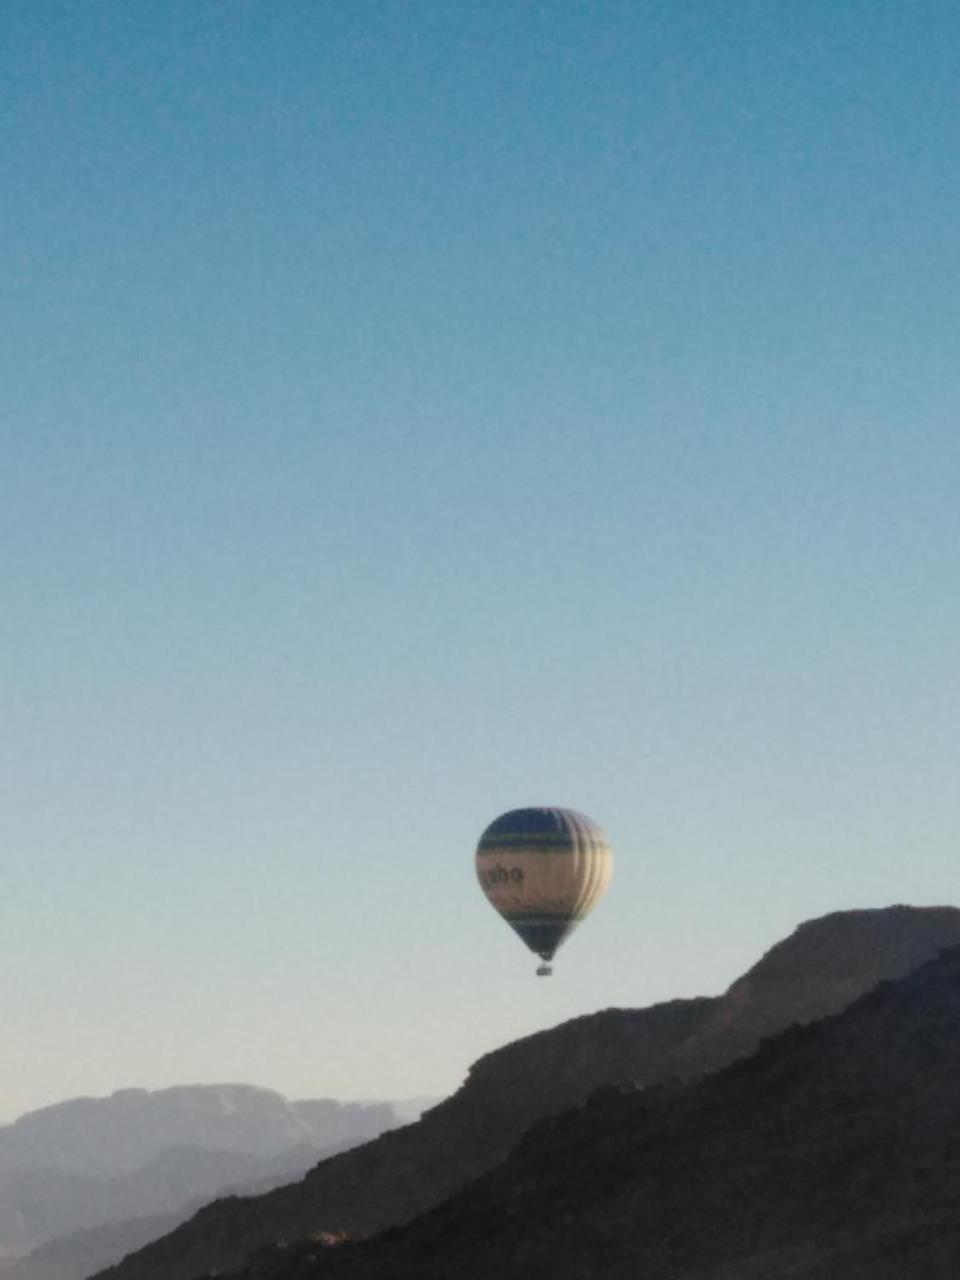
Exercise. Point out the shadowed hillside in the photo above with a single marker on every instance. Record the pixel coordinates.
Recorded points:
(833, 1152)
(824, 965)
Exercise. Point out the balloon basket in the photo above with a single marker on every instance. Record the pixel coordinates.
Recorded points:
(544, 971)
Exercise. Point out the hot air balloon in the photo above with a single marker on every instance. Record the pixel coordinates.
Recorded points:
(544, 870)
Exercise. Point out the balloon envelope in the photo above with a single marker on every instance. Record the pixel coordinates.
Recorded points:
(544, 870)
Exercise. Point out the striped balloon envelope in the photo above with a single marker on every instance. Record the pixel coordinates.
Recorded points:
(544, 870)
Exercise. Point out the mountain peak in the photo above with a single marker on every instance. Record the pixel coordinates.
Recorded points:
(845, 945)
(819, 969)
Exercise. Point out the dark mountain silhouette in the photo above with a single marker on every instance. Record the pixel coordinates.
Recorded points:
(822, 966)
(833, 1152)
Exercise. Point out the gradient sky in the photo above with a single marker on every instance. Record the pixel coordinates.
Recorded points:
(414, 409)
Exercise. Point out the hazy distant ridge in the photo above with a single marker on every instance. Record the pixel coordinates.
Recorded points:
(108, 1137)
(83, 1164)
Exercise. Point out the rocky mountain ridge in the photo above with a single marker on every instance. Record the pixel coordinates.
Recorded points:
(406, 1173)
(833, 1152)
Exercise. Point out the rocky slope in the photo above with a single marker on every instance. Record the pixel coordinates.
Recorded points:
(822, 966)
(833, 1152)
(819, 969)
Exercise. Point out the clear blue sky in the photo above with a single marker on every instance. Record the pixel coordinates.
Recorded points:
(411, 410)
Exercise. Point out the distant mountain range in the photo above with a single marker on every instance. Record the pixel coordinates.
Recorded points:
(85, 1181)
(422, 1175)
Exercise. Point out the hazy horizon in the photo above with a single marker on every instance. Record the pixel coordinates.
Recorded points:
(413, 411)
(403, 1105)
